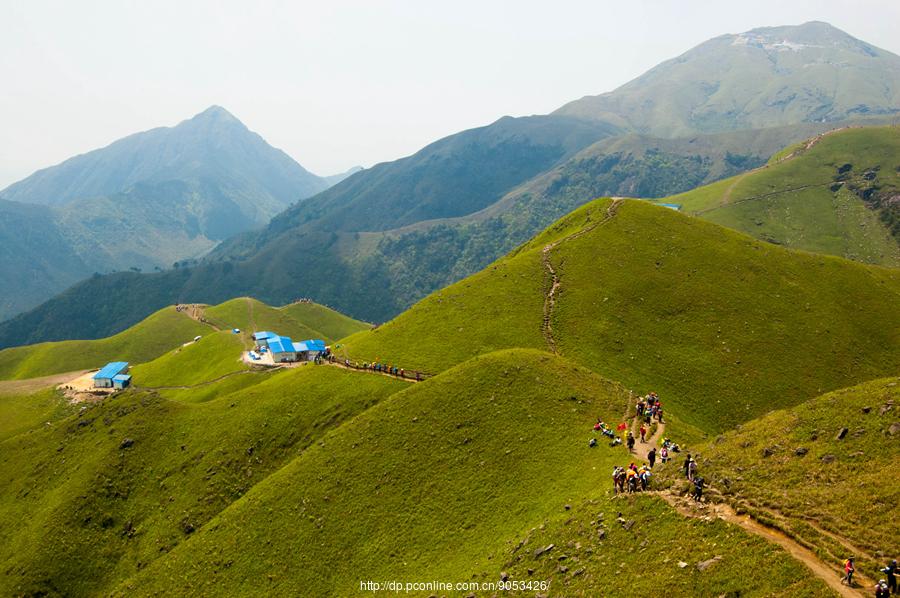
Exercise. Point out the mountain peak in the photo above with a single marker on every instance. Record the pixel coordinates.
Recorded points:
(215, 113)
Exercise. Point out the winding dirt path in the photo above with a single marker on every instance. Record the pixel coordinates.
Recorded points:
(828, 574)
(555, 282)
(726, 197)
(196, 311)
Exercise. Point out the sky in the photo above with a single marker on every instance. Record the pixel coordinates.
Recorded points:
(337, 84)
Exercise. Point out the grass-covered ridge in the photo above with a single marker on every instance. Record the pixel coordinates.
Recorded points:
(441, 481)
(724, 326)
(795, 468)
(833, 196)
(80, 512)
(164, 330)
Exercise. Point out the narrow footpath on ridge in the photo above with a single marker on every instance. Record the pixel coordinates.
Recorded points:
(830, 575)
(555, 282)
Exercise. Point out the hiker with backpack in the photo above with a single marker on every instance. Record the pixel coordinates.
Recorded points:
(698, 488)
(651, 457)
(630, 442)
(643, 431)
(687, 466)
(891, 572)
(881, 589)
(849, 570)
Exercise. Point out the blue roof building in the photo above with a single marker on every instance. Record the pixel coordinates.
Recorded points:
(104, 378)
(309, 349)
(121, 381)
(282, 348)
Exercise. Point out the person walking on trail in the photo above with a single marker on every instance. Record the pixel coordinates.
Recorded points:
(687, 466)
(881, 589)
(891, 573)
(698, 489)
(849, 570)
(651, 457)
(630, 442)
(664, 454)
(643, 433)
(692, 469)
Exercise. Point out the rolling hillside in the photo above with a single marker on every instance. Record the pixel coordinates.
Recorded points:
(270, 479)
(794, 469)
(839, 196)
(168, 329)
(741, 309)
(461, 472)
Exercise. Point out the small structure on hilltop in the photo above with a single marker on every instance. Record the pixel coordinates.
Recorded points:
(112, 375)
(281, 348)
(310, 349)
(262, 338)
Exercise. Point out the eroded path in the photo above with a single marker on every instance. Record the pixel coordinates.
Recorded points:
(823, 571)
(552, 295)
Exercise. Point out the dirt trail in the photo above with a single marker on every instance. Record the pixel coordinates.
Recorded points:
(641, 449)
(555, 282)
(369, 371)
(30, 385)
(830, 575)
(726, 197)
(196, 311)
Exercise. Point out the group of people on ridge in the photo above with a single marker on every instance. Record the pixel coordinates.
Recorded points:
(884, 587)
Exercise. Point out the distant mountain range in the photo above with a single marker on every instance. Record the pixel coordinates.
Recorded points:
(385, 237)
(146, 201)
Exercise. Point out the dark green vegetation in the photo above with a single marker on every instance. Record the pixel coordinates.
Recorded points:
(386, 237)
(807, 73)
(795, 469)
(840, 197)
(743, 311)
(143, 202)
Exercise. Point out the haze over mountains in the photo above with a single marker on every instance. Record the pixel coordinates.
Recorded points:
(146, 201)
(377, 242)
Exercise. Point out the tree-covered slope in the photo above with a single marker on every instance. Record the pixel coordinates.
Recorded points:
(760, 78)
(726, 326)
(36, 261)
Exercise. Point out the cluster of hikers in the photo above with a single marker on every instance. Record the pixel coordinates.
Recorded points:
(631, 479)
(884, 588)
(649, 408)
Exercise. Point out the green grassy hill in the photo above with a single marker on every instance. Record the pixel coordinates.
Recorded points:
(299, 321)
(790, 469)
(655, 299)
(214, 356)
(834, 198)
(438, 482)
(78, 511)
(147, 340)
(309, 480)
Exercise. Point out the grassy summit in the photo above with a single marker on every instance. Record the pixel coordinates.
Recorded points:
(833, 198)
(145, 341)
(724, 326)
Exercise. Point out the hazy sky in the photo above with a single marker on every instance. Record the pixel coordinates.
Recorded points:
(335, 83)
